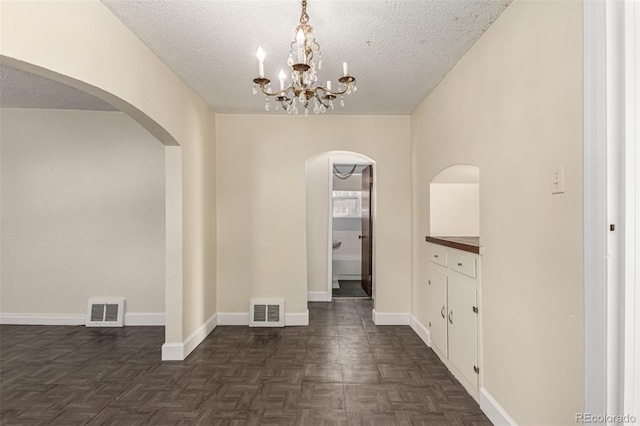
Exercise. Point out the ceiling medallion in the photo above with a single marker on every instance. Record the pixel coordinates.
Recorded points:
(304, 53)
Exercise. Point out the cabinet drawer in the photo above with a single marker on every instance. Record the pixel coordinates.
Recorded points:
(438, 254)
(464, 264)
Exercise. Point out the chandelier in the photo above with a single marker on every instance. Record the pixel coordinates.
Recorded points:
(304, 57)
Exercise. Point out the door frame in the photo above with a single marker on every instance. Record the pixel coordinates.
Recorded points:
(611, 197)
(361, 160)
(366, 234)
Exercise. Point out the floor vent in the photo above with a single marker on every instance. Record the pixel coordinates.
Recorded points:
(267, 313)
(105, 312)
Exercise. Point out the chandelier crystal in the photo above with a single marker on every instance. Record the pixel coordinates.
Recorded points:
(304, 58)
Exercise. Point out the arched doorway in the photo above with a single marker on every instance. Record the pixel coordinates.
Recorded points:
(172, 184)
(321, 279)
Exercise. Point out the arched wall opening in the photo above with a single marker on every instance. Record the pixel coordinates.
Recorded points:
(83, 45)
(173, 204)
(319, 207)
(454, 195)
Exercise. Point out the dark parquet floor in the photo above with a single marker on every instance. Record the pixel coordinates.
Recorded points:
(349, 288)
(340, 370)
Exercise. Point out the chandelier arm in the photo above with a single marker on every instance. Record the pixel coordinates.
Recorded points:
(282, 92)
(278, 93)
(332, 92)
(322, 101)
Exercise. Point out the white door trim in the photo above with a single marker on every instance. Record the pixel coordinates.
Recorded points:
(595, 205)
(615, 141)
(359, 159)
(612, 197)
(631, 373)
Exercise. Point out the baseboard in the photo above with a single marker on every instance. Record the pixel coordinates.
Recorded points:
(233, 318)
(42, 319)
(421, 330)
(293, 319)
(242, 318)
(144, 319)
(349, 277)
(173, 352)
(390, 318)
(130, 319)
(318, 296)
(199, 335)
(180, 351)
(494, 411)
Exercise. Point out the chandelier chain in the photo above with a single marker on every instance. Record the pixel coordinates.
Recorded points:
(304, 18)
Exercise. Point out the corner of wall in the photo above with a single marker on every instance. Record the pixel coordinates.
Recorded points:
(180, 351)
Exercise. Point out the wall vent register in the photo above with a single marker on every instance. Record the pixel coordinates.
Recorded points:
(102, 312)
(267, 313)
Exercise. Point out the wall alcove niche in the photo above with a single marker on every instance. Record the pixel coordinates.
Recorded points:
(455, 202)
(453, 291)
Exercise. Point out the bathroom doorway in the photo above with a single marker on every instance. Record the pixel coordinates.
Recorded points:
(351, 227)
(319, 171)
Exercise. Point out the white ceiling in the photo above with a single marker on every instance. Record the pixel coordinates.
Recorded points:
(398, 50)
(20, 89)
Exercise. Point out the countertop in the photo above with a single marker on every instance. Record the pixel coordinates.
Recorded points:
(470, 244)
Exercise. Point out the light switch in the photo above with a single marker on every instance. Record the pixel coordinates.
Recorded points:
(557, 180)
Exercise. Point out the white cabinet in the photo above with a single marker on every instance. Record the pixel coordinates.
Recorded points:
(438, 254)
(452, 311)
(464, 264)
(437, 300)
(463, 330)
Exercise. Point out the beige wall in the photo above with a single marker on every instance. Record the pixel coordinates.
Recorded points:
(262, 203)
(84, 45)
(513, 107)
(82, 212)
(317, 216)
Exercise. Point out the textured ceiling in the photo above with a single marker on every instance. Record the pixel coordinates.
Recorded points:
(397, 50)
(21, 89)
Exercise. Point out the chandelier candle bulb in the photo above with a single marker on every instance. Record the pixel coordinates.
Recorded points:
(260, 55)
(300, 43)
(345, 69)
(329, 84)
(282, 76)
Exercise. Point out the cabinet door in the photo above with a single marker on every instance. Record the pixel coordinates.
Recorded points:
(463, 340)
(437, 303)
